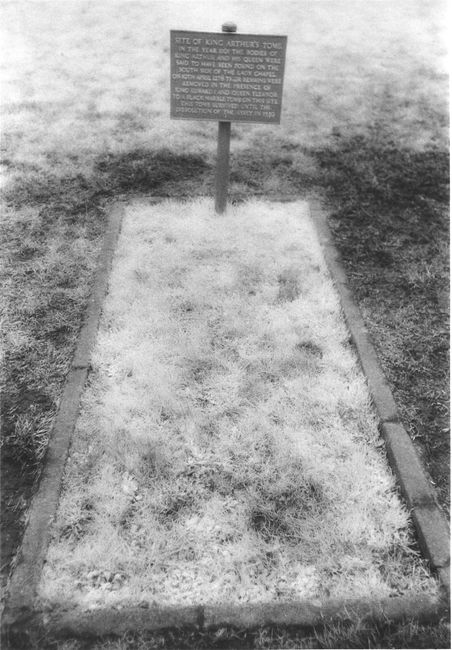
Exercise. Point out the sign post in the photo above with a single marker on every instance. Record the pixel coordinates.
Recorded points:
(226, 77)
(224, 140)
(222, 169)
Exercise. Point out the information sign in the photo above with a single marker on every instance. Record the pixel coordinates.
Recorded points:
(227, 76)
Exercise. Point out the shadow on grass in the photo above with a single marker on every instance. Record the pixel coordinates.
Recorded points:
(144, 171)
(112, 174)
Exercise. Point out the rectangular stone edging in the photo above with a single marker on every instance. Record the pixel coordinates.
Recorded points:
(430, 523)
(31, 555)
(19, 613)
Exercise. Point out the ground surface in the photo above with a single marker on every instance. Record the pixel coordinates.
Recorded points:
(85, 119)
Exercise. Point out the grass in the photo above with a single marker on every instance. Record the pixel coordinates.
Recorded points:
(410, 634)
(390, 222)
(226, 450)
(45, 283)
(51, 232)
(84, 85)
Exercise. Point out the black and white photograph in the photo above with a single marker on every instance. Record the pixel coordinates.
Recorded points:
(225, 254)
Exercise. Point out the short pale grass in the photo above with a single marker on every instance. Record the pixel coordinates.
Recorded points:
(82, 78)
(226, 449)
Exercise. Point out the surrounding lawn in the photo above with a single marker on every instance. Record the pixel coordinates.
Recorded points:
(85, 119)
(226, 450)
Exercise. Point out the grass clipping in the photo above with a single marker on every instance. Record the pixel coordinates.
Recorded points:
(226, 449)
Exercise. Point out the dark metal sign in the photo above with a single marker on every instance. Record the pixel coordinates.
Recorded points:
(227, 76)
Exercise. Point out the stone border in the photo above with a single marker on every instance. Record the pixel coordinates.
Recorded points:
(21, 621)
(31, 555)
(98, 623)
(430, 523)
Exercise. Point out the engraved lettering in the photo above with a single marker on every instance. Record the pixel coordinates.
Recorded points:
(215, 77)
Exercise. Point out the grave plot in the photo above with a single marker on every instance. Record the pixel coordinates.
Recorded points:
(226, 450)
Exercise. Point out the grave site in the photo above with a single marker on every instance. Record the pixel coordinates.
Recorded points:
(214, 448)
(226, 451)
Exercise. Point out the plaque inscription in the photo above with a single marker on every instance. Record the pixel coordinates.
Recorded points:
(227, 76)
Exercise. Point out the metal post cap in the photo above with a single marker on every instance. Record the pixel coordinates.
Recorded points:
(229, 27)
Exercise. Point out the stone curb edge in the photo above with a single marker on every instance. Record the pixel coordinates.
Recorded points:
(103, 622)
(31, 555)
(429, 521)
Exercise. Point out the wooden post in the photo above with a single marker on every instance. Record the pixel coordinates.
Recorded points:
(222, 170)
(224, 138)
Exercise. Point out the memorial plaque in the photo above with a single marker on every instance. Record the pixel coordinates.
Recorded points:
(227, 76)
